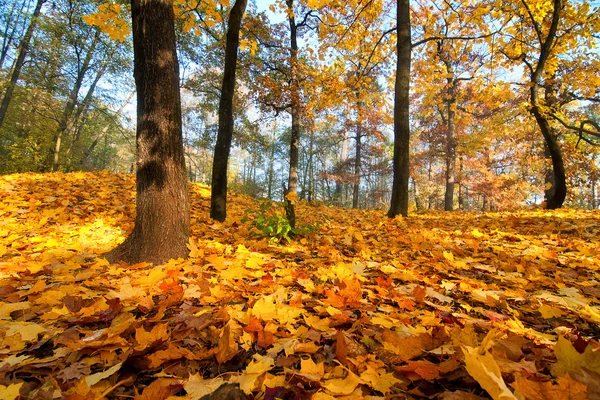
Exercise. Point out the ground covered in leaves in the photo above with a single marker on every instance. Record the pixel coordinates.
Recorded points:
(447, 305)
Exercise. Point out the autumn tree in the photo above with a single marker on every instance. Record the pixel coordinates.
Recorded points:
(547, 39)
(20, 60)
(162, 223)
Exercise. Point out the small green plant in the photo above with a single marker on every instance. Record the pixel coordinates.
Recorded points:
(270, 221)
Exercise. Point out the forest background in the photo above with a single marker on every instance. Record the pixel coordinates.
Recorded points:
(475, 143)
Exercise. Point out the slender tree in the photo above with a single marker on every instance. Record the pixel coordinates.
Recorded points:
(162, 223)
(218, 198)
(22, 53)
(292, 186)
(399, 201)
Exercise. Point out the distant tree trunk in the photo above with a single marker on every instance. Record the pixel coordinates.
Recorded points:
(162, 223)
(10, 30)
(450, 140)
(357, 165)
(218, 197)
(339, 184)
(22, 53)
(594, 203)
(65, 118)
(292, 187)
(88, 152)
(311, 177)
(401, 165)
(358, 154)
(79, 117)
(271, 166)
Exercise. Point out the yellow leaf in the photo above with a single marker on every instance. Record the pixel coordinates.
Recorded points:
(265, 308)
(342, 386)
(568, 359)
(29, 331)
(196, 386)
(10, 392)
(155, 276)
(550, 312)
(485, 370)
(7, 308)
(95, 378)
(308, 367)
(448, 255)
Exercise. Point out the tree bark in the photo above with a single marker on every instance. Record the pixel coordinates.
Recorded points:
(22, 53)
(162, 223)
(401, 162)
(292, 187)
(218, 197)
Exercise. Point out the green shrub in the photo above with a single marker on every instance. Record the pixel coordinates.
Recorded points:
(270, 220)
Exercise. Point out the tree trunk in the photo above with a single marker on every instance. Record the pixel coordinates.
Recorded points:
(357, 162)
(65, 118)
(292, 187)
(218, 197)
(22, 53)
(162, 223)
(401, 165)
(339, 183)
(88, 152)
(10, 30)
(357, 158)
(558, 192)
(79, 117)
(271, 164)
(450, 140)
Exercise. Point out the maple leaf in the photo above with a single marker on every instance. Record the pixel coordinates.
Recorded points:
(568, 359)
(566, 389)
(484, 369)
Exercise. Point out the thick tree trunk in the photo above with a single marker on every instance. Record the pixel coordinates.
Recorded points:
(22, 53)
(292, 187)
(556, 194)
(162, 223)
(401, 165)
(218, 197)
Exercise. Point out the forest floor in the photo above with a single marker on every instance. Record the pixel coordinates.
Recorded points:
(444, 305)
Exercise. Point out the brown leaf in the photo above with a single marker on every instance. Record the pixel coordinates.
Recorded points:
(160, 389)
(227, 347)
(340, 348)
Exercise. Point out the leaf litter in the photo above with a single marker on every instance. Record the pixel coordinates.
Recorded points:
(440, 305)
